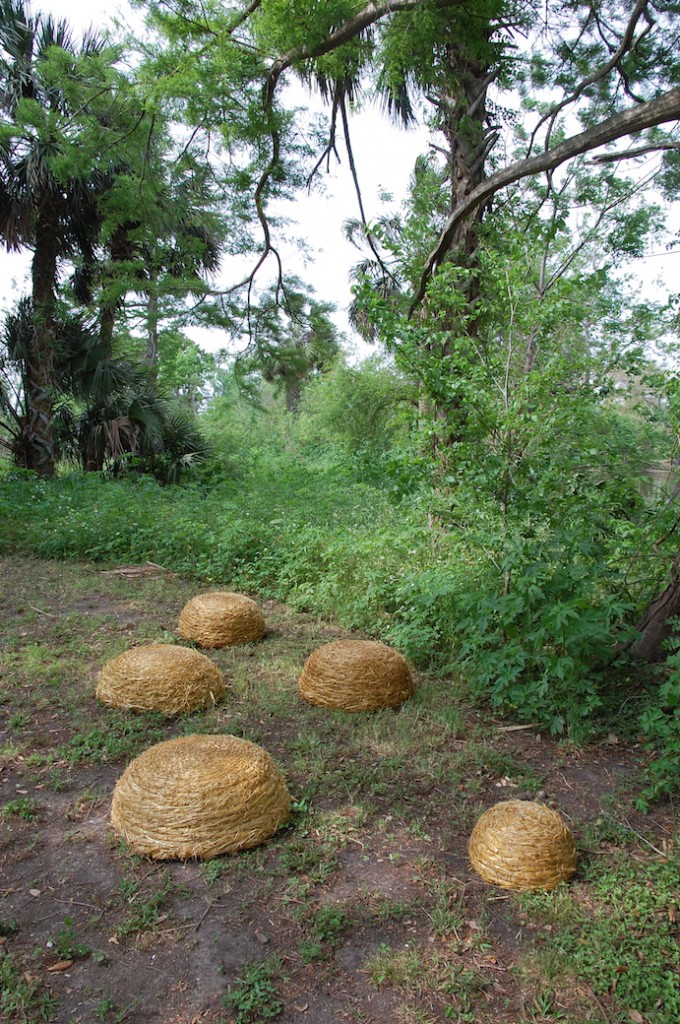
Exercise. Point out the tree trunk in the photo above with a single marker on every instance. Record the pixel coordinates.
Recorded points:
(464, 117)
(654, 626)
(151, 354)
(40, 375)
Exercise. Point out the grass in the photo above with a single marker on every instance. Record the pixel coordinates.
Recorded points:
(617, 933)
(21, 807)
(143, 909)
(22, 996)
(67, 944)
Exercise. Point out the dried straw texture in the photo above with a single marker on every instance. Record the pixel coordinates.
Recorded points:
(221, 619)
(160, 677)
(519, 844)
(199, 796)
(355, 675)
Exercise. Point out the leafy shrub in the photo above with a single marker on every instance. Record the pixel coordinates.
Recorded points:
(660, 724)
(538, 651)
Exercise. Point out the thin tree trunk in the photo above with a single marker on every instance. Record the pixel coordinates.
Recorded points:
(40, 376)
(151, 354)
(464, 114)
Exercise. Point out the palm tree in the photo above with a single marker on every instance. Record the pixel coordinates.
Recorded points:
(53, 214)
(287, 347)
(107, 413)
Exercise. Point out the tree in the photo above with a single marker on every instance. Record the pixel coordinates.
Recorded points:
(288, 345)
(161, 234)
(47, 200)
(591, 74)
(598, 57)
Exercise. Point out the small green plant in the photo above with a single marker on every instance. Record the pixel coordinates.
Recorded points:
(325, 926)
(214, 869)
(103, 1008)
(119, 738)
(445, 914)
(399, 967)
(253, 998)
(660, 724)
(147, 909)
(66, 944)
(23, 807)
(329, 922)
(544, 1008)
(315, 860)
(311, 951)
(107, 1010)
(22, 996)
(623, 942)
(8, 927)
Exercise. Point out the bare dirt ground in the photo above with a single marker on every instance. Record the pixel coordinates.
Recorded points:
(364, 908)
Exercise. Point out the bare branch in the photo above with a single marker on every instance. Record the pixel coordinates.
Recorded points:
(627, 122)
(357, 188)
(630, 154)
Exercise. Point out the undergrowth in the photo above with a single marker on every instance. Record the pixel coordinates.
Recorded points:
(529, 621)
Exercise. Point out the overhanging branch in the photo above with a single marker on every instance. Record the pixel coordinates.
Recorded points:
(636, 119)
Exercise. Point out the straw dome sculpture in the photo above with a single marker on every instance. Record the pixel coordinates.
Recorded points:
(221, 619)
(520, 844)
(199, 796)
(160, 677)
(355, 675)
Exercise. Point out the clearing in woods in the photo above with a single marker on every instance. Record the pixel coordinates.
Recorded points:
(364, 908)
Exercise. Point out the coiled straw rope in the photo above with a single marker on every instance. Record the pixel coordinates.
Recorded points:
(199, 796)
(221, 619)
(520, 844)
(356, 675)
(160, 677)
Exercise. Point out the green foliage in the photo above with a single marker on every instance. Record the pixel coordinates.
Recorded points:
(660, 724)
(623, 942)
(22, 807)
(146, 909)
(253, 998)
(66, 943)
(539, 650)
(23, 998)
(368, 412)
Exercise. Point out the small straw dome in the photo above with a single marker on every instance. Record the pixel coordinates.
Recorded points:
(355, 675)
(520, 844)
(160, 677)
(221, 619)
(199, 796)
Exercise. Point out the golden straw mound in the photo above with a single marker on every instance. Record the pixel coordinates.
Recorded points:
(519, 844)
(160, 677)
(220, 619)
(199, 796)
(355, 675)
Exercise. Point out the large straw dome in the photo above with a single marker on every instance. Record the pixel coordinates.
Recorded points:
(160, 677)
(355, 675)
(520, 844)
(199, 796)
(221, 619)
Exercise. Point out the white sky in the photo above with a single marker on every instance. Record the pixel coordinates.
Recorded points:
(384, 156)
